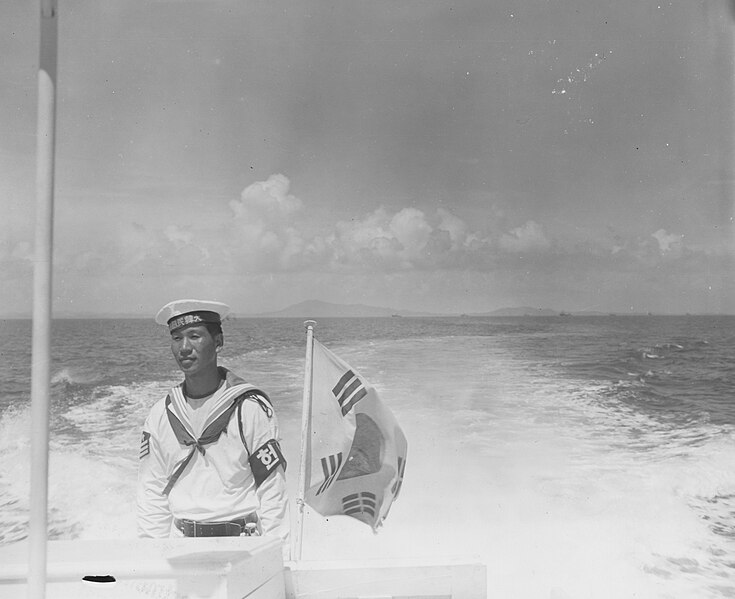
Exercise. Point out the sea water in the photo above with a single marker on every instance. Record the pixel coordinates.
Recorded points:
(576, 457)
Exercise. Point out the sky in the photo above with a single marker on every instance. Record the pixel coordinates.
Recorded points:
(421, 155)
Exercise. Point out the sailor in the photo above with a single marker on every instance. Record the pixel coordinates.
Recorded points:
(210, 460)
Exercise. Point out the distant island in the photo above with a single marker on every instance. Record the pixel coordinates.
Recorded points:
(526, 311)
(522, 311)
(320, 309)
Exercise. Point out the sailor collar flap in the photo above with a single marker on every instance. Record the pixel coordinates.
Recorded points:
(221, 403)
(221, 407)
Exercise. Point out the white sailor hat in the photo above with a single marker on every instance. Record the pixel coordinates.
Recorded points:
(186, 312)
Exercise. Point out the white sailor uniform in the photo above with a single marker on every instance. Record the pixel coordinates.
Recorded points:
(231, 470)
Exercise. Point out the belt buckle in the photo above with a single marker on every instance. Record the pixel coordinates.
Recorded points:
(187, 527)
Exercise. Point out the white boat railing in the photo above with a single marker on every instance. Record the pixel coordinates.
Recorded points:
(229, 568)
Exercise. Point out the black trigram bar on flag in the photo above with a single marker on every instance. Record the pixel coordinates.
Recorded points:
(396, 488)
(359, 503)
(330, 467)
(348, 391)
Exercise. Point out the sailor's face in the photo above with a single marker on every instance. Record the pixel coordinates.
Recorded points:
(194, 349)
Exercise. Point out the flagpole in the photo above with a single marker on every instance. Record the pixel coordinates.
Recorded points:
(42, 310)
(305, 419)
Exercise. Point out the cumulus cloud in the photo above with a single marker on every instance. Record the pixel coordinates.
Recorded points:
(267, 201)
(455, 227)
(411, 230)
(380, 239)
(667, 241)
(148, 249)
(527, 238)
(265, 236)
(405, 239)
(649, 250)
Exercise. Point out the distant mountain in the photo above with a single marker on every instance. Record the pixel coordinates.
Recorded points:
(528, 311)
(320, 309)
(521, 311)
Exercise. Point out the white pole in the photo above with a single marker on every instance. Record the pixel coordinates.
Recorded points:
(42, 277)
(305, 422)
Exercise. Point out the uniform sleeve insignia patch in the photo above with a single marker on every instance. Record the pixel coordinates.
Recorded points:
(145, 445)
(265, 460)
